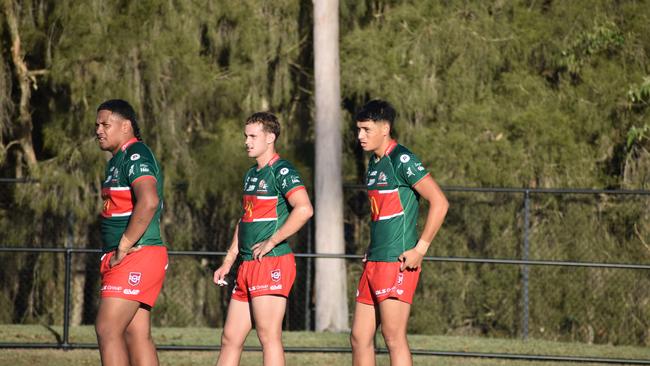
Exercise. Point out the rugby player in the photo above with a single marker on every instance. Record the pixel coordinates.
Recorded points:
(395, 181)
(275, 205)
(135, 259)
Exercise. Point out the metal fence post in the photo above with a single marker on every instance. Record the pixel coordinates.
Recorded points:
(308, 273)
(525, 310)
(66, 300)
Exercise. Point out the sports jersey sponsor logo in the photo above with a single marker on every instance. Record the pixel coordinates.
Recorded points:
(250, 188)
(284, 171)
(400, 278)
(111, 169)
(276, 275)
(111, 288)
(117, 201)
(131, 170)
(284, 183)
(399, 291)
(128, 291)
(384, 204)
(253, 180)
(135, 157)
(404, 158)
(409, 172)
(275, 287)
(108, 179)
(134, 278)
(144, 168)
(382, 180)
(419, 166)
(257, 288)
(295, 179)
(371, 181)
(373, 173)
(259, 208)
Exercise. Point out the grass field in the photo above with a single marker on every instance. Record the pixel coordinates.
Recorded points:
(210, 337)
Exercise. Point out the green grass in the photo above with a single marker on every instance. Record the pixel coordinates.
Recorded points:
(210, 337)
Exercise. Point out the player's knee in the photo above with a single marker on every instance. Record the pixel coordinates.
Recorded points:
(269, 336)
(394, 339)
(229, 339)
(134, 334)
(106, 331)
(359, 340)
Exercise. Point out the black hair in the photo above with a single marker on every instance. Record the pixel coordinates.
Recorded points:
(124, 109)
(268, 120)
(377, 110)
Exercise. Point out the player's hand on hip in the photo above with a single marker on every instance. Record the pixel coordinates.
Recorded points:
(410, 259)
(260, 249)
(120, 254)
(219, 277)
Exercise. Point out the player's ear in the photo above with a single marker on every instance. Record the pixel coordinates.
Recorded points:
(270, 138)
(385, 129)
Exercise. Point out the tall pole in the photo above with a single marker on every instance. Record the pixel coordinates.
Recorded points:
(331, 279)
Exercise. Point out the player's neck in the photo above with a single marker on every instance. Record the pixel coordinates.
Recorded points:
(264, 159)
(124, 144)
(384, 147)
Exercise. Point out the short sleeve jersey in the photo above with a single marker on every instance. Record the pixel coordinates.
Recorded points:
(393, 202)
(265, 206)
(133, 161)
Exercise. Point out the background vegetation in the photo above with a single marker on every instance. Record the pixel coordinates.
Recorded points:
(490, 93)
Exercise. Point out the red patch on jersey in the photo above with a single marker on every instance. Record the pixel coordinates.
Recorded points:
(259, 208)
(384, 204)
(117, 201)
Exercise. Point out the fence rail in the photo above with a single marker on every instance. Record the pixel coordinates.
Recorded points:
(524, 262)
(65, 343)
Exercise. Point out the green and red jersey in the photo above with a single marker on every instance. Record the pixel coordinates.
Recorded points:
(265, 206)
(133, 161)
(394, 203)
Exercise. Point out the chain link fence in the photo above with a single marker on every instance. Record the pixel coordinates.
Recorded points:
(561, 265)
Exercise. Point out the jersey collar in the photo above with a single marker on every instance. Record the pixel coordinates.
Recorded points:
(274, 158)
(130, 142)
(391, 146)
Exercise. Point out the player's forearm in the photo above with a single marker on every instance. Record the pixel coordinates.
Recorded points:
(435, 218)
(233, 250)
(143, 212)
(297, 219)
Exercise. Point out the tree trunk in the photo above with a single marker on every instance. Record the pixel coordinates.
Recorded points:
(331, 279)
(23, 131)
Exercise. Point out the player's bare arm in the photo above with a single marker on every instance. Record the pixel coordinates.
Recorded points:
(302, 211)
(219, 277)
(438, 205)
(146, 204)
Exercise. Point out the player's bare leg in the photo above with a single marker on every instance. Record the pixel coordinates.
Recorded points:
(238, 325)
(394, 318)
(364, 326)
(113, 317)
(142, 351)
(268, 312)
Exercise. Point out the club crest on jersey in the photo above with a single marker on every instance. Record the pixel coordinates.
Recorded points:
(382, 180)
(284, 171)
(135, 157)
(261, 187)
(404, 158)
(134, 278)
(276, 275)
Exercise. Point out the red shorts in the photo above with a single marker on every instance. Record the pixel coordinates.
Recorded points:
(138, 277)
(383, 280)
(272, 276)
